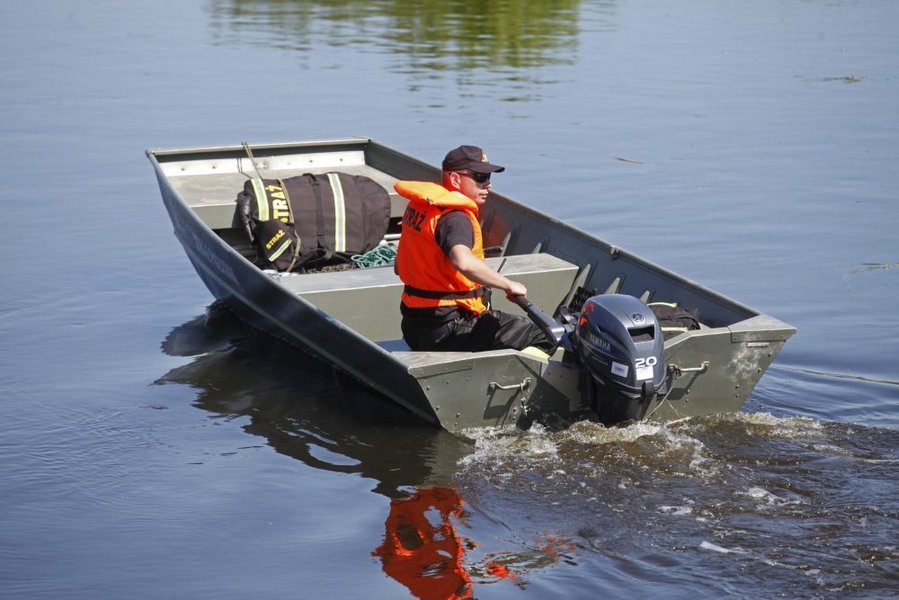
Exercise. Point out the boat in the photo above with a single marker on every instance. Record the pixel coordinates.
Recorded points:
(350, 318)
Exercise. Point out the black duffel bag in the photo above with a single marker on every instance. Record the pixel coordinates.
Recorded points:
(311, 220)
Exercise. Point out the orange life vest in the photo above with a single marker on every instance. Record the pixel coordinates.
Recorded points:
(430, 278)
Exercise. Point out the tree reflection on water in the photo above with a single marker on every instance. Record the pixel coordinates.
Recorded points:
(430, 38)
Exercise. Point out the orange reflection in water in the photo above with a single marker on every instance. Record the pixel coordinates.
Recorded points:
(423, 550)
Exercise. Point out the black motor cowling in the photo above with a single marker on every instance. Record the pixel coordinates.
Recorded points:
(619, 343)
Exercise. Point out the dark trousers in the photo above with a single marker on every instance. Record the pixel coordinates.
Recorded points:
(461, 331)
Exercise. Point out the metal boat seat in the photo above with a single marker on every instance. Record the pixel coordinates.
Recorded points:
(367, 300)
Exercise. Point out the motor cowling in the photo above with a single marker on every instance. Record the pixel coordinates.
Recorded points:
(620, 346)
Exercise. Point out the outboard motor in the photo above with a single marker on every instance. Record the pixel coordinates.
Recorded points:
(619, 344)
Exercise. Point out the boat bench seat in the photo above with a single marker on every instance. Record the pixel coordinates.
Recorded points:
(367, 300)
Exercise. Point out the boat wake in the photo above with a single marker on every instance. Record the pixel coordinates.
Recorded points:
(738, 494)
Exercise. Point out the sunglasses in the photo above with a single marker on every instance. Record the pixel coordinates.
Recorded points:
(478, 177)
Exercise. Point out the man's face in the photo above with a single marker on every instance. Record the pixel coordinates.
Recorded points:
(466, 182)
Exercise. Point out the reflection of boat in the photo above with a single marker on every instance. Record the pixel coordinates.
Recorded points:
(303, 411)
(351, 318)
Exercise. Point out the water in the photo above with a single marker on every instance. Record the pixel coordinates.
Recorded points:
(151, 450)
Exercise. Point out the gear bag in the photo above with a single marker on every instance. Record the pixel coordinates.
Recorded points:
(313, 220)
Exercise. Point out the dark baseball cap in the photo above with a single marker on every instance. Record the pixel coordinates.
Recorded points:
(471, 158)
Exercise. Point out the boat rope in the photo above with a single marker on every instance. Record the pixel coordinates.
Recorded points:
(246, 147)
(671, 377)
(379, 256)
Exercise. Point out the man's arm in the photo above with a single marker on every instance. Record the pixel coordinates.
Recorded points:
(464, 260)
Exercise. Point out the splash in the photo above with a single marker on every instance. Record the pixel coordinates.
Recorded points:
(586, 453)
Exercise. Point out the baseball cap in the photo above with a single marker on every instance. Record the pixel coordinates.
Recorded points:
(471, 158)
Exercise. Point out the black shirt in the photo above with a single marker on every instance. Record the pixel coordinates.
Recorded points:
(454, 228)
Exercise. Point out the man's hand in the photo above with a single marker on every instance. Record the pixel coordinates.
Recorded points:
(516, 289)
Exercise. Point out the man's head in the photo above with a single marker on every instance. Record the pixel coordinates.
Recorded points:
(467, 170)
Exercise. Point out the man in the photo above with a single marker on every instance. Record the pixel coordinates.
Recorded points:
(446, 297)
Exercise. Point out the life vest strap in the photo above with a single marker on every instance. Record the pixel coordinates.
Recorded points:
(433, 295)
